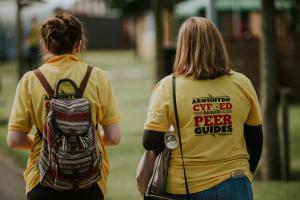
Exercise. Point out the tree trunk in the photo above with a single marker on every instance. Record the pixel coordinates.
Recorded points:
(20, 53)
(271, 169)
(296, 29)
(168, 26)
(133, 39)
(159, 32)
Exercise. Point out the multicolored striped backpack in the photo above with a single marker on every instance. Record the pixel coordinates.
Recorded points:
(69, 158)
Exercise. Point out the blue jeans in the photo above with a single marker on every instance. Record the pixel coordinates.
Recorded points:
(234, 188)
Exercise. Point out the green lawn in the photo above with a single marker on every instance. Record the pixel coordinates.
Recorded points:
(133, 80)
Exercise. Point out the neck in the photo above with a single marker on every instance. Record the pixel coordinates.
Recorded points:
(49, 55)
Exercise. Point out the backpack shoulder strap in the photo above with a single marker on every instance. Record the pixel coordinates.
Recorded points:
(44, 82)
(85, 80)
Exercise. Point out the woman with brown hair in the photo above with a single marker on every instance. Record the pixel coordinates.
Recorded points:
(62, 40)
(219, 119)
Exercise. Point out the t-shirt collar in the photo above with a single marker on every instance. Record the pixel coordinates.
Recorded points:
(56, 60)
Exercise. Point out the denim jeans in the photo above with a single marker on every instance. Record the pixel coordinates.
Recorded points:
(234, 188)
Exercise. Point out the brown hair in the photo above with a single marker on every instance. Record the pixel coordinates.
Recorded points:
(201, 51)
(62, 33)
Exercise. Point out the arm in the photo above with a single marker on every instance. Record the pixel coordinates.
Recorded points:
(19, 140)
(111, 134)
(153, 140)
(254, 142)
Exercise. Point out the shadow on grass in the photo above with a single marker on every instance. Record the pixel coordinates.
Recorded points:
(295, 175)
(3, 122)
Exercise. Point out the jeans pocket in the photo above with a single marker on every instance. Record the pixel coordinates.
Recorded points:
(239, 188)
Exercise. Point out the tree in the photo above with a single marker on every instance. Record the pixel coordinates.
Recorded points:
(269, 93)
(297, 35)
(162, 64)
(159, 32)
(20, 54)
(296, 27)
(135, 8)
(132, 9)
(20, 40)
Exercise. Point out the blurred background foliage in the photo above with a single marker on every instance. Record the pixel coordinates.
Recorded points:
(135, 42)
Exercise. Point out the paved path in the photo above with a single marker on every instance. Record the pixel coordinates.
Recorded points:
(12, 186)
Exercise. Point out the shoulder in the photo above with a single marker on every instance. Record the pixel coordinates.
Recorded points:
(239, 75)
(166, 82)
(27, 77)
(26, 83)
(100, 78)
(99, 73)
(241, 78)
(163, 88)
(244, 83)
(98, 70)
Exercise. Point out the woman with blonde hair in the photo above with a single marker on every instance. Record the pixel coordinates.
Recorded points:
(219, 119)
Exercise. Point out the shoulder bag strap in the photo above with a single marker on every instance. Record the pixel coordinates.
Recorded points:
(44, 82)
(179, 135)
(85, 80)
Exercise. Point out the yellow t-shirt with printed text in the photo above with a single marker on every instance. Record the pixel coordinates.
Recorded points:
(31, 105)
(212, 114)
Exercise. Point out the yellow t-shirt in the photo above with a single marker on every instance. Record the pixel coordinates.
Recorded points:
(31, 105)
(212, 114)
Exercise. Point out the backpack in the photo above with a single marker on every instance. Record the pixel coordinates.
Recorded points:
(69, 157)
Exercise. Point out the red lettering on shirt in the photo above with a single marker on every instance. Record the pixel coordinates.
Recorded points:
(227, 119)
(217, 120)
(225, 106)
(211, 120)
(208, 120)
(198, 120)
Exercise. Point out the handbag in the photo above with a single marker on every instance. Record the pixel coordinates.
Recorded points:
(152, 174)
(152, 170)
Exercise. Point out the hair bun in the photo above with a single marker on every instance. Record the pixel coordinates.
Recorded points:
(57, 28)
(62, 33)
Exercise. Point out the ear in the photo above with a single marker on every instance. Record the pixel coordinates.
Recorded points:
(43, 47)
(78, 47)
(45, 52)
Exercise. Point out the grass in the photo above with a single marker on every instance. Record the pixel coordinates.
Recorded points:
(277, 190)
(132, 80)
(8, 84)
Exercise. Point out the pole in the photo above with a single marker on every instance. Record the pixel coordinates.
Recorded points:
(269, 93)
(211, 11)
(20, 53)
(157, 6)
(237, 19)
(284, 92)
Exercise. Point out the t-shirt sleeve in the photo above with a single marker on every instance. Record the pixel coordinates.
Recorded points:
(110, 109)
(21, 114)
(158, 114)
(254, 117)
